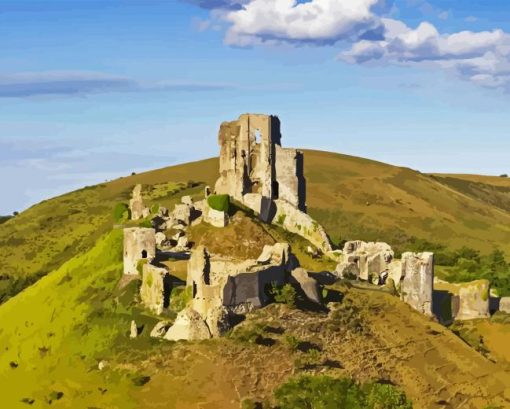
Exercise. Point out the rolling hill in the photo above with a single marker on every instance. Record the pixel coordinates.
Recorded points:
(353, 198)
(64, 339)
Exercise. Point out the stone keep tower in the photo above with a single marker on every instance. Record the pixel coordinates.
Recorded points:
(139, 244)
(252, 161)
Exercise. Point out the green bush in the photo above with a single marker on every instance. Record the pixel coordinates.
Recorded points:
(219, 202)
(154, 208)
(120, 212)
(180, 297)
(146, 223)
(324, 392)
(285, 294)
(470, 265)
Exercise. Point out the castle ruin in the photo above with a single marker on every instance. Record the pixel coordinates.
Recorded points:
(258, 173)
(253, 162)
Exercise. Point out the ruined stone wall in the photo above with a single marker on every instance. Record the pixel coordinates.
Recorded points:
(302, 224)
(156, 288)
(253, 164)
(247, 156)
(136, 205)
(290, 179)
(473, 300)
(139, 243)
(418, 281)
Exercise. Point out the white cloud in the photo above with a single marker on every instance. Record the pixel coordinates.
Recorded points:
(480, 57)
(316, 21)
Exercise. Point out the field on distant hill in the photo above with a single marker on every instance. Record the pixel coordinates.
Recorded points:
(353, 198)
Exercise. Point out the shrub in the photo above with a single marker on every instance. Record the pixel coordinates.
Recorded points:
(292, 342)
(180, 297)
(285, 294)
(219, 202)
(154, 208)
(324, 392)
(120, 212)
(146, 223)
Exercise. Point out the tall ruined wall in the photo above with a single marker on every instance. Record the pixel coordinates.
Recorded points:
(418, 281)
(139, 243)
(247, 155)
(156, 288)
(290, 178)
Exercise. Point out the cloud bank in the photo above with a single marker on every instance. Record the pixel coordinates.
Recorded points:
(77, 83)
(317, 22)
(366, 36)
(480, 57)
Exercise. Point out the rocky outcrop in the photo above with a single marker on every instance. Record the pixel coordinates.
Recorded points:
(418, 281)
(308, 285)
(189, 326)
(139, 244)
(156, 288)
(136, 206)
(160, 329)
(218, 321)
(473, 300)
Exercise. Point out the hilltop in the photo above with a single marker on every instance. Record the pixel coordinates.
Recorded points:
(353, 198)
(66, 337)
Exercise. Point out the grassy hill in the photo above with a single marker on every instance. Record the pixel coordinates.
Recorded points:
(75, 315)
(353, 198)
(55, 333)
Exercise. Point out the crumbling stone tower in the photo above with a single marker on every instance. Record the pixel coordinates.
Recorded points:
(252, 161)
(139, 244)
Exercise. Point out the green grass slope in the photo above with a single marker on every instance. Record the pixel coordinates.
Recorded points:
(52, 331)
(353, 198)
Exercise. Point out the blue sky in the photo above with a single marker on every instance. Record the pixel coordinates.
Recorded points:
(92, 90)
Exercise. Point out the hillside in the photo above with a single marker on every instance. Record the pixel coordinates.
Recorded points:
(55, 334)
(353, 198)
